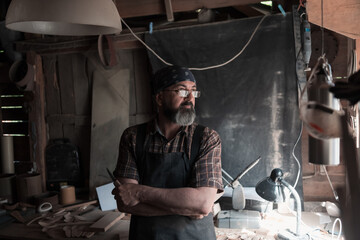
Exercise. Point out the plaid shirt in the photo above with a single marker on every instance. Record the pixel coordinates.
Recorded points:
(207, 169)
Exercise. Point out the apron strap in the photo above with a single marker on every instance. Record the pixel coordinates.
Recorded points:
(195, 145)
(140, 140)
(140, 148)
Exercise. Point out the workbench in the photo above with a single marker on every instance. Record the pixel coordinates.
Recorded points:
(271, 225)
(16, 230)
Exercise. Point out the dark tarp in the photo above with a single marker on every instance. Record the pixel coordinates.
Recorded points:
(252, 101)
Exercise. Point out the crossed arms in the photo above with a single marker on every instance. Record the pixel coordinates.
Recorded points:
(142, 200)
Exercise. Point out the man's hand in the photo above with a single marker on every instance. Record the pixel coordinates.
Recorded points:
(126, 195)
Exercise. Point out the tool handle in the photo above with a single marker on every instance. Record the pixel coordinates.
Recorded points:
(248, 168)
(117, 183)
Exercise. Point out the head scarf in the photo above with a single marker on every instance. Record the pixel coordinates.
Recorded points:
(170, 75)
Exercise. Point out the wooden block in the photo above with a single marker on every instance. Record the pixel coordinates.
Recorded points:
(337, 16)
(106, 222)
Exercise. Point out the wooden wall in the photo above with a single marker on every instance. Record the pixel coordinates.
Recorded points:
(68, 102)
(68, 97)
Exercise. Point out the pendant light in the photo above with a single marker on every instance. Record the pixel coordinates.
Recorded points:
(64, 17)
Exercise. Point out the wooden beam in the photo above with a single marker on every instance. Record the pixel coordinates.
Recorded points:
(248, 11)
(139, 8)
(37, 125)
(62, 46)
(357, 53)
(339, 16)
(169, 11)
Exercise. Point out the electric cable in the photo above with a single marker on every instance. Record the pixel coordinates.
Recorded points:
(305, 225)
(193, 68)
(296, 159)
(332, 188)
(333, 228)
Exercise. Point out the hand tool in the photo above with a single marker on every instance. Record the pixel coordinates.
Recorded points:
(238, 197)
(116, 182)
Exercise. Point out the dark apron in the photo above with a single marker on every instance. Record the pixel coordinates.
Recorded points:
(168, 170)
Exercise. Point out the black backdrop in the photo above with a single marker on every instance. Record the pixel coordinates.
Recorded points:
(252, 101)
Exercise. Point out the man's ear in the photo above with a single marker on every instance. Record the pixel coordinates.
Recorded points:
(159, 99)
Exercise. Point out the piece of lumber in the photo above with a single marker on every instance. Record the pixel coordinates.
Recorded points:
(169, 11)
(338, 16)
(78, 205)
(106, 222)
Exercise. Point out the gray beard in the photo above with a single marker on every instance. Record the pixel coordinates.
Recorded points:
(181, 116)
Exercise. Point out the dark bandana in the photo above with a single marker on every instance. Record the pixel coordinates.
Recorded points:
(168, 76)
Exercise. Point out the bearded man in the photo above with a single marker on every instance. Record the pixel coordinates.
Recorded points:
(169, 169)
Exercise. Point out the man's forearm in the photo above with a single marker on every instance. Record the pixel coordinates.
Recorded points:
(143, 209)
(182, 201)
(144, 200)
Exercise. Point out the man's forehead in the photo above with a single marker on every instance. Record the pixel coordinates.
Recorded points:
(184, 84)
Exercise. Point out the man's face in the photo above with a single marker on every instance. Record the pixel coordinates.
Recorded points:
(178, 109)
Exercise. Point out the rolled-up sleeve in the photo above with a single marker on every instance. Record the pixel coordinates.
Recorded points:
(126, 164)
(207, 170)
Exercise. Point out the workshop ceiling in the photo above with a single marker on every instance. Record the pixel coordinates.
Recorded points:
(157, 7)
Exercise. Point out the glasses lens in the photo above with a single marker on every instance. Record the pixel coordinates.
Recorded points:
(196, 94)
(183, 93)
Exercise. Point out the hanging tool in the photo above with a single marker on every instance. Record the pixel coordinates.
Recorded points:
(306, 40)
(116, 182)
(238, 197)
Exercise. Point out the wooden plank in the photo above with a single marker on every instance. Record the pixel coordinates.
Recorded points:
(339, 16)
(52, 90)
(106, 222)
(357, 52)
(52, 93)
(82, 87)
(110, 117)
(66, 84)
(154, 7)
(37, 118)
(169, 11)
(67, 119)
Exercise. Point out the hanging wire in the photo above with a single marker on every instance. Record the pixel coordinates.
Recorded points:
(336, 196)
(192, 68)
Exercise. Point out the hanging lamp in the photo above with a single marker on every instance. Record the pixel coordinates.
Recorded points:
(64, 17)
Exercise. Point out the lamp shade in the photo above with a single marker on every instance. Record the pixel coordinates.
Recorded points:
(64, 17)
(270, 188)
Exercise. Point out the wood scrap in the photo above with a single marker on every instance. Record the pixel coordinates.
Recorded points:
(106, 222)
(79, 205)
(37, 217)
(51, 220)
(18, 216)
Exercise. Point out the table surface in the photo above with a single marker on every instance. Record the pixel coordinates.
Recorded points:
(270, 226)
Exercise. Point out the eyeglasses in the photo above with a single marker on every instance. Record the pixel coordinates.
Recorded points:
(185, 93)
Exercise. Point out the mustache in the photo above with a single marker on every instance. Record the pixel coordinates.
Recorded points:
(187, 103)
